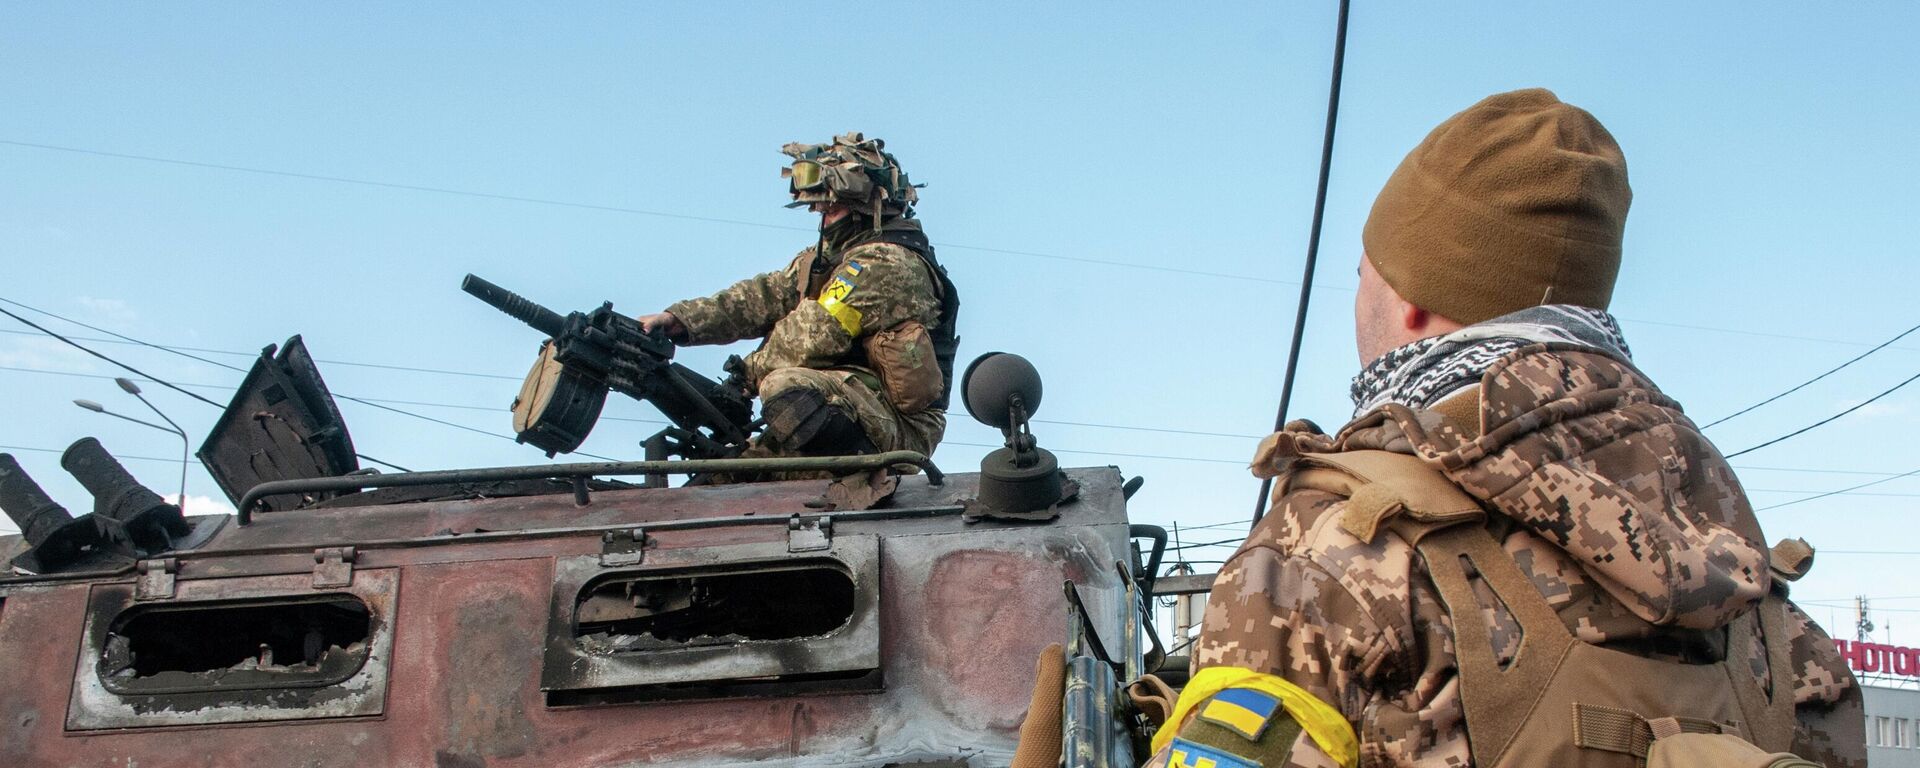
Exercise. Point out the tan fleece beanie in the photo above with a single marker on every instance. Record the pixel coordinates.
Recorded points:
(1516, 202)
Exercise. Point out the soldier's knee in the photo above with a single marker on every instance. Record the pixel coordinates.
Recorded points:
(803, 420)
(782, 380)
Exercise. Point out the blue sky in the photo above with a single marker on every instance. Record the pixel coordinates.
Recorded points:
(1084, 164)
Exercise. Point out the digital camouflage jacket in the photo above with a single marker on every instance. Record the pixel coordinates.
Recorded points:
(1626, 518)
(812, 316)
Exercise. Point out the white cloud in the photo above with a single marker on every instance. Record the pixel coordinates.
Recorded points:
(44, 354)
(1882, 409)
(108, 310)
(202, 505)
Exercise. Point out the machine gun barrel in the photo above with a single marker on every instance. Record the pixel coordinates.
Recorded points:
(519, 307)
(601, 350)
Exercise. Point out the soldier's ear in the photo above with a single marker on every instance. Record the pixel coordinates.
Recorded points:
(1414, 318)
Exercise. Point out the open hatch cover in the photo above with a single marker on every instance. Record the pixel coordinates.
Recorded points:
(281, 425)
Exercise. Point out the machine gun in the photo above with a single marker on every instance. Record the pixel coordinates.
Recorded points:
(588, 353)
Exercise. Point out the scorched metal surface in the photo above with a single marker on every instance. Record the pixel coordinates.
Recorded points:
(475, 655)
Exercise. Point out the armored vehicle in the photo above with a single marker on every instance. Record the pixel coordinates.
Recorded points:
(554, 615)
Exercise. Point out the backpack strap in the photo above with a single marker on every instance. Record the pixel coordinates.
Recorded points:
(1769, 709)
(1421, 505)
(1497, 701)
(1391, 490)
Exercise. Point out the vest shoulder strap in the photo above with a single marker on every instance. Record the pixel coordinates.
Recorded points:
(1396, 491)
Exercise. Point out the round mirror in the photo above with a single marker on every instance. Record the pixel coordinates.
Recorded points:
(990, 383)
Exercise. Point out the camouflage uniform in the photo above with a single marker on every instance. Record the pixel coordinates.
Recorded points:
(813, 315)
(1628, 521)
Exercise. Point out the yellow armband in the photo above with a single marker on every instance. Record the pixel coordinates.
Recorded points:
(1244, 701)
(834, 298)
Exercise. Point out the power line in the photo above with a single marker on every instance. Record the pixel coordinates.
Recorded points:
(197, 396)
(1110, 453)
(493, 409)
(1848, 489)
(175, 460)
(76, 345)
(1235, 541)
(1761, 334)
(176, 349)
(606, 208)
(1747, 468)
(636, 420)
(1788, 490)
(1822, 422)
(1313, 247)
(764, 225)
(1829, 372)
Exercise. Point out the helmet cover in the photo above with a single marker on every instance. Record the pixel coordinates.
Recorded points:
(852, 170)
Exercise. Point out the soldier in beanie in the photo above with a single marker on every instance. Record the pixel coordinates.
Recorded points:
(858, 329)
(1518, 551)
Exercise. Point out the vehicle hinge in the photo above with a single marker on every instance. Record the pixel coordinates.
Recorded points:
(333, 567)
(811, 534)
(626, 547)
(156, 579)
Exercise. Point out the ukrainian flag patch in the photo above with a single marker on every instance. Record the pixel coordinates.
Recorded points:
(834, 299)
(1244, 711)
(1187, 754)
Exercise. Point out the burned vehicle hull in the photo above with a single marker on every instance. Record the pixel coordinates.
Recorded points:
(727, 625)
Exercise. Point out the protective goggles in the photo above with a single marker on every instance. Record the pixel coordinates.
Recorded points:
(807, 175)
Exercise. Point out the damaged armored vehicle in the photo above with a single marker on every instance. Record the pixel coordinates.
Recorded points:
(571, 614)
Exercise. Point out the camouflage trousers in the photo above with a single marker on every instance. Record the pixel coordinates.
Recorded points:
(847, 389)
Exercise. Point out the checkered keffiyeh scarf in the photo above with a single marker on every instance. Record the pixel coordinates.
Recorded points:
(1425, 372)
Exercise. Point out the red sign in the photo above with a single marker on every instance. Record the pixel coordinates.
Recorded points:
(1880, 658)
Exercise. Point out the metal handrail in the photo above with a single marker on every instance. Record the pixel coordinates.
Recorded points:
(581, 471)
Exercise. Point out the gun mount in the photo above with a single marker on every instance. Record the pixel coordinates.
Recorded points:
(588, 353)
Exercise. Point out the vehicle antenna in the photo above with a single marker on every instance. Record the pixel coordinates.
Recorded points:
(1313, 246)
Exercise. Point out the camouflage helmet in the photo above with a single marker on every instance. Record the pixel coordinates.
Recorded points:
(854, 171)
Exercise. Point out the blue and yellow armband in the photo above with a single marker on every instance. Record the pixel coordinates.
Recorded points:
(1232, 717)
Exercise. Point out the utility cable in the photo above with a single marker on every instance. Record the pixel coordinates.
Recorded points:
(199, 397)
(196, 460)
(1108, 453)
(1234, 540)
(763, 225)
(1848, 489)
(176, 348)
(136, 371)
(223, 387)
(1802, 385)
(600, 207)
(492, 409)
(1829, 419)
(1313, 247)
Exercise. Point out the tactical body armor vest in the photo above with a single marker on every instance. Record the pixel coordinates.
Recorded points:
(1560, 701)
(907, 234)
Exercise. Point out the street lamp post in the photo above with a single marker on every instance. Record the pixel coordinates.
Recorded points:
(133, 389)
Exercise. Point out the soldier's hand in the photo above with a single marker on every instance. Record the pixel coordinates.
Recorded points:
(665, 323)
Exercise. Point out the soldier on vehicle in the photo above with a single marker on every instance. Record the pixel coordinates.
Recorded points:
(858, 330)
(1518, 552)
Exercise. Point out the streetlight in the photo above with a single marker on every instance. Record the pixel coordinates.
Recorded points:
(132, 389)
